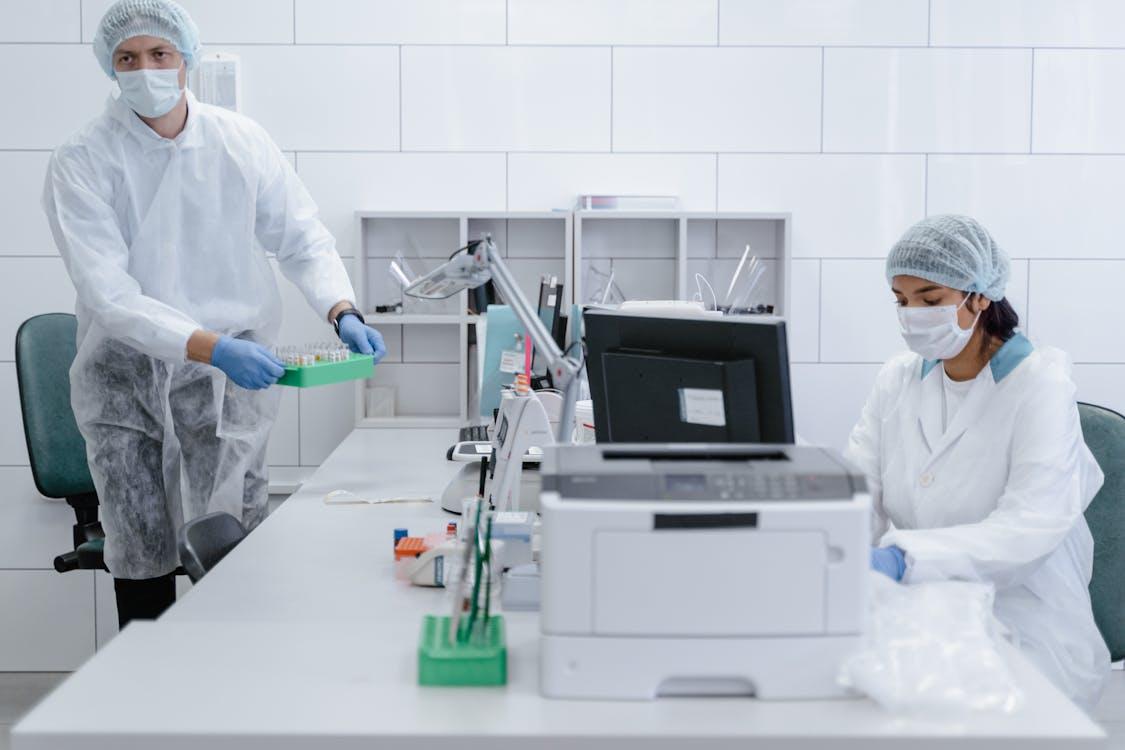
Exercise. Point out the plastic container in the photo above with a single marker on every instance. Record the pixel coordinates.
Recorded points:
(441, 662)
(584, 422)
(356, 367)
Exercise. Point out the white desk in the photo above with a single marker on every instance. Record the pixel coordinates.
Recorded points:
(302, 638)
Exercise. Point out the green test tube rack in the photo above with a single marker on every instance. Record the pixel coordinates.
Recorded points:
(355, 367)
(441, 662)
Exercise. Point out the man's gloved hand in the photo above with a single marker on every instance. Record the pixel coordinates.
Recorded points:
(361, 338)
(890, 561)
(249, 365)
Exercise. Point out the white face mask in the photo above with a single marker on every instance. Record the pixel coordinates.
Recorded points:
(934, 332)
(150, 92)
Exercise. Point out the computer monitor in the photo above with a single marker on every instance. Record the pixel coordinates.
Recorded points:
(688, 380)
(550, 305)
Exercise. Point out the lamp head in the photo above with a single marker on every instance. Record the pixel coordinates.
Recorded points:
(466, 270)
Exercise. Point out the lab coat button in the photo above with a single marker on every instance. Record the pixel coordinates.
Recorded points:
(926, 480)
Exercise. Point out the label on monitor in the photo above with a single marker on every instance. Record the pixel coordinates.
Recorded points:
(511, 361)
(702, 406)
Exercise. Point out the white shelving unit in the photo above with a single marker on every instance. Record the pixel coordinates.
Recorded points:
(656, 254)
(428, 361)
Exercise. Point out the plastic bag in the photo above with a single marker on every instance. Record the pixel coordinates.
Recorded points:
(932, 648)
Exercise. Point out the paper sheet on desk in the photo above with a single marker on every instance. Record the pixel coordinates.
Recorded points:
(343, 497)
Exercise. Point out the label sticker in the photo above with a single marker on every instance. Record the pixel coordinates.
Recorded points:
(702, 406)
(484, 448)
(511, 361)
(439, 571)
(551, 299)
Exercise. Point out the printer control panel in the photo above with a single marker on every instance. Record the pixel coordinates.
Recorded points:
(745, 486)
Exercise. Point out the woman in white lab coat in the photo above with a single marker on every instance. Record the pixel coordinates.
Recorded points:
(974, 453)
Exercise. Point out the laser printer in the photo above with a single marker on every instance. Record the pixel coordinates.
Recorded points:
(700, 569)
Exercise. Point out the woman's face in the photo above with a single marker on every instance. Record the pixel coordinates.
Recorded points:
(911, 291)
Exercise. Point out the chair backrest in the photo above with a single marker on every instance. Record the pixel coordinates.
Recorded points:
(206, 540)
(45, 349)
(1104, 431)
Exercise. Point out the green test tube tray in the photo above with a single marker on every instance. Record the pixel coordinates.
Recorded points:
(443, 663)
(356, 367)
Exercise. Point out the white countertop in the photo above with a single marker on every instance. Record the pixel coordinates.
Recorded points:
(301, 637)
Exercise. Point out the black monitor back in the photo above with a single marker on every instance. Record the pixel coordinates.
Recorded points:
(659, 379)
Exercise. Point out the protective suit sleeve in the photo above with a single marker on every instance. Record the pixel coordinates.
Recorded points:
(864, 447)
(86, 231)
(1050, 482)
(287, 224)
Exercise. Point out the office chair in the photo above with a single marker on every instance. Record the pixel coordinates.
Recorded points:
(45, 349)
(206, 540)
(1104, 430)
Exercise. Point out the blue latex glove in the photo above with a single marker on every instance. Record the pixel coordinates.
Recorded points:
(890, 561)
(361, 338)
(250, 365)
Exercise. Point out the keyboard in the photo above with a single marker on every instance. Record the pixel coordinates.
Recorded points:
(473, 433)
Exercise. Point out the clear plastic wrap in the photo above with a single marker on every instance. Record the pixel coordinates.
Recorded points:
(932, 648)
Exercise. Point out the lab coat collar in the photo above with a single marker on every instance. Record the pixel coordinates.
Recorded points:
(1014, 351)
(189, 137)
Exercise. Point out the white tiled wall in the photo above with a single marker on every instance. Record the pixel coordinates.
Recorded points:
(858, 116)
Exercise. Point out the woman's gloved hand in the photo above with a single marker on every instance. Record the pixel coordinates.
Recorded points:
(890, 561)
(249, 365)
(362, 338)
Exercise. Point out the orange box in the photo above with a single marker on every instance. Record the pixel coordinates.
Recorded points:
(410, 546)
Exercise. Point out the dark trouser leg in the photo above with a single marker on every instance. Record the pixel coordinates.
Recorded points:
(144, 599)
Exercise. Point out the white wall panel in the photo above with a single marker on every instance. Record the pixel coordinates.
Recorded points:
(30, 286)
(803, 319)
(1101, 385)
(327, 416)
(1037, 206)
(25, 225)
(828, 399)
(716, 99)
(1075, 305)
(858, 320)
(398, 22)
(33, 530)
(617, 22)
(47, 623)
(505, 98)
(1028, 23)
(916, 100)
(284, 446)
(40, 21)
(842, 205)
(538, 182)
(219, 21)
(1078, 102)
(341, 184)
(314, 97)
(13, 445)
(66, 90)
(810, 22)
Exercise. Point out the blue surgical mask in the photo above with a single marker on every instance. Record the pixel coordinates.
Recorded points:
(150, 92)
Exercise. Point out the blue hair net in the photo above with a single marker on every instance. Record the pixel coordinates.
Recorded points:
(160, 18)
(954, 251)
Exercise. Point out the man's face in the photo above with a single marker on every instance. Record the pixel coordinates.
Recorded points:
(149, 52)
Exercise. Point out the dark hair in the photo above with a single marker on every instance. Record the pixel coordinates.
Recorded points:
(998, 322)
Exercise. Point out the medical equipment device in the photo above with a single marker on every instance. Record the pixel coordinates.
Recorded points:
(219, 80)
(689, 379)
(700, 569)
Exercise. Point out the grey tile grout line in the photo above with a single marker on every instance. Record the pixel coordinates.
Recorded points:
(507, 21)
(822, 56)
(926, 185)
(82, 31)
(1031, 106)
(819, 302)
(507, 189)
(929, 23)
(666, 47)
(401, 99)
(294, 22)
(611, 56)
(718, 23)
